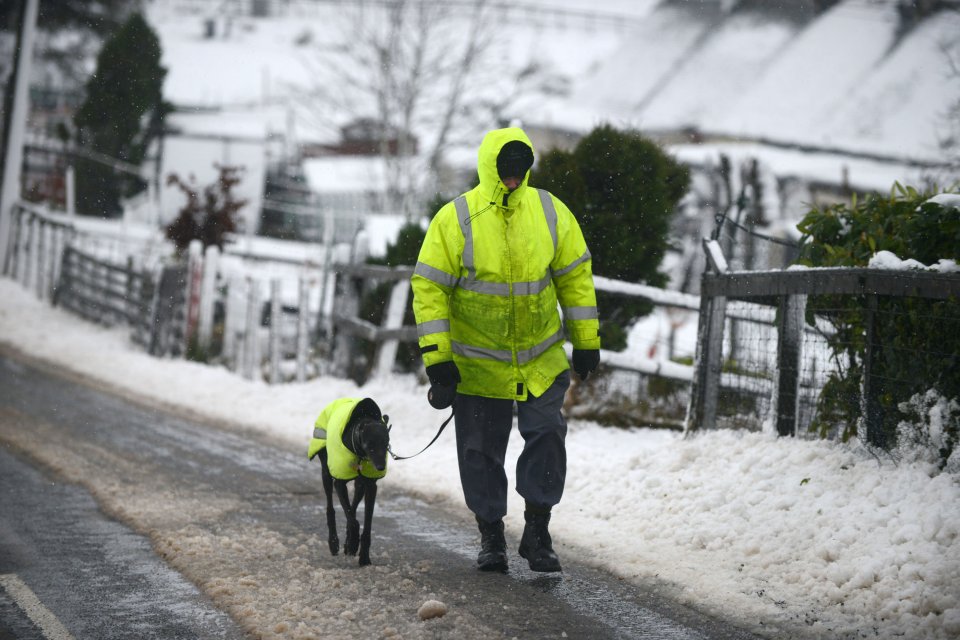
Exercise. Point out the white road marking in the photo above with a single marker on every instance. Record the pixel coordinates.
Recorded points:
(27, 600)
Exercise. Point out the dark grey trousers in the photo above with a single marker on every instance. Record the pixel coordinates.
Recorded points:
(483, 428)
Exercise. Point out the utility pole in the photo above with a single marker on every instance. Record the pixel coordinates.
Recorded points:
(16, 123)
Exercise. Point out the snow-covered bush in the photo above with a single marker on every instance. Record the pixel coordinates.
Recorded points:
(919, 338)
(931, 431)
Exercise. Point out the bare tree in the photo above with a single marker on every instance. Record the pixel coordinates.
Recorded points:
(429, 74)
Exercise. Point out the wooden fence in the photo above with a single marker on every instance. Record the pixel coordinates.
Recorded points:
(192, 308)
(106, 293)
(785, 295)
(37, 241)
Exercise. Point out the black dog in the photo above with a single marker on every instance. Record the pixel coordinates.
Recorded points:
(359, 453)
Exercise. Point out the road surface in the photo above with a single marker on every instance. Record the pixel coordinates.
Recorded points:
(122, 519)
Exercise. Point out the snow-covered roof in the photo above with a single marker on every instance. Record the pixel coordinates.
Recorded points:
(345, 174)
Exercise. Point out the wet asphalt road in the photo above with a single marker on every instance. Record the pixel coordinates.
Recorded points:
(102, 580)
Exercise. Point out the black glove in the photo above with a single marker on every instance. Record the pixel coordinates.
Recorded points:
(444, 374)
(585, 361)
(444, 377)
(441, 397)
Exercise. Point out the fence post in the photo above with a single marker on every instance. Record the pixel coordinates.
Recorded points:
(166, 333)
(872, 410)
(129, 299)
(10, 259)
(39, 281)
(789, 343)
(303, 312)
(53, 259)
(208, 284)
(346, 303)
(397, 307)
(146, 305)
(23, 248)
(275, 313)
(63, 277)
(325, 320)
(232, 323)
(702, 412)
(70, 190)
(251, 336)
(194, 276)
(30, 253)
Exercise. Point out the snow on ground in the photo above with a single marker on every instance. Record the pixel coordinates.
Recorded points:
(788, 537)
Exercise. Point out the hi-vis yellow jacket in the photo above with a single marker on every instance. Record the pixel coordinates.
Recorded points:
(491, 271)
(328, 433)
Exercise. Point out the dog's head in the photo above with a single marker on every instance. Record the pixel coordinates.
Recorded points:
(374, 437)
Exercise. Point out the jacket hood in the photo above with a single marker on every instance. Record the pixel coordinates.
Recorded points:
(490, 185)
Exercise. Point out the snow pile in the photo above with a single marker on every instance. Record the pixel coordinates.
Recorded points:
(888, 260)
(947, 200)
(787, 537)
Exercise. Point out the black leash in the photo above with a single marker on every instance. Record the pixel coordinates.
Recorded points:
(442, 427)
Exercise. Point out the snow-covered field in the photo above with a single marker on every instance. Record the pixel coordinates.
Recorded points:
(790, 538)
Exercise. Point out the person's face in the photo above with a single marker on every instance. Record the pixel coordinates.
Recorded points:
(512, 183)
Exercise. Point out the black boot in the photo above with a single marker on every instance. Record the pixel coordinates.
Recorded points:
(493, 546)
(536, 545)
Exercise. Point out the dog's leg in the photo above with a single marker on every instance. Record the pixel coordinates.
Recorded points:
(353, 527)
(369, 499)
(353, 535)
(332, 539)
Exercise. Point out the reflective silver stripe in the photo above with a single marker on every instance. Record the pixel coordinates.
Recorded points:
(570, 267)
(531, 288)
(470, 283)
(434, 275)
(529, 354)
(580, 313)
(433, 326)
(463, 216)
(319, 433)
(470, 351)
(550, 212)
(490, 288)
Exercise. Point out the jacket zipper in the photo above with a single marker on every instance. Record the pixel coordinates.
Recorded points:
(513, 299)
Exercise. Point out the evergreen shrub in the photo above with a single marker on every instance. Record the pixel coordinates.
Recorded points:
(919, 338)
(121, 114)
(623, 189)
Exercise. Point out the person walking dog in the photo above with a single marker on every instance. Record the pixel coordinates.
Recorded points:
(493, 266)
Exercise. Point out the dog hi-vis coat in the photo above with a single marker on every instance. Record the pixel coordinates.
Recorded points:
(328, 433)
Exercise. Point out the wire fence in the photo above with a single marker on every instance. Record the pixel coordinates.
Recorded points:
(831, 352)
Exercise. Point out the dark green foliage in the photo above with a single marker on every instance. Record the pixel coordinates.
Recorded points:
(206, 216)
(623, 189)
(919, 338)
(121, 114)
(98, 16)
(406, 249)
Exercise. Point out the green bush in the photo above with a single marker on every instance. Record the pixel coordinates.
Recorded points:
(919, 338)
(121, 114)
(623, 189)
